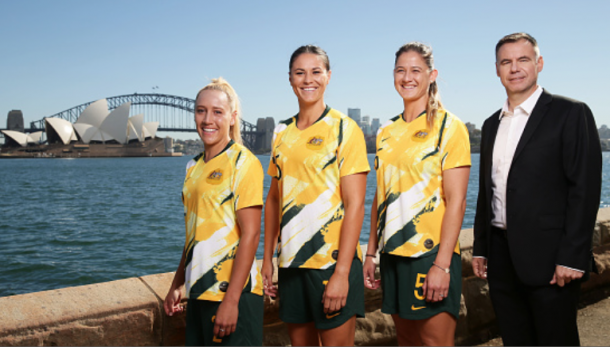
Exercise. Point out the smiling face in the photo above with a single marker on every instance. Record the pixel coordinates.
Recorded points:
(309, 78)
(213, 118)
(412, 77)
(518, 66)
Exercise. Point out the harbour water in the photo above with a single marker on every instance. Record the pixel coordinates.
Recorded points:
(67, 222)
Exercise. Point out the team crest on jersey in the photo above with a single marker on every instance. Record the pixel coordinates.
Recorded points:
(315, 142)
(215, 177)
(420, 136)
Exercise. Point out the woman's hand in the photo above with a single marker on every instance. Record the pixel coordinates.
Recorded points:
(225, 322)
(172, 302)
(369, 274)
(335, 294)
(272, 229)
(267, 273)
(436, 285)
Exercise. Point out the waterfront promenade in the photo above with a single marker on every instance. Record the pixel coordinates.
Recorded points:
(130, 311)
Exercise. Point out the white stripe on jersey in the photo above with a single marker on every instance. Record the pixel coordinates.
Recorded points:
(203, 259)
(305, 225)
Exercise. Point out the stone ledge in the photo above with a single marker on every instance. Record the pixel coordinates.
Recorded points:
(84, 315)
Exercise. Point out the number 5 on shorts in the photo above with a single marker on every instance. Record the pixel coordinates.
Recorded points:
(419, 283)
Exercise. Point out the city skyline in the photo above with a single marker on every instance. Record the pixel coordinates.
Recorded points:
(64, 53)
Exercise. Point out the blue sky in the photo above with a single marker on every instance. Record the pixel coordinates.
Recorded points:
(58, 54)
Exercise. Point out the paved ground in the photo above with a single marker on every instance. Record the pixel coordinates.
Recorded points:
(593, 325)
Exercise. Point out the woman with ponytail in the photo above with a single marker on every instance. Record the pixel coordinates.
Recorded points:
(223, 198)
(423, 164)
(314, 212)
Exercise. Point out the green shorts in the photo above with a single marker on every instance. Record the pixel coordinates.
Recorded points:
(402, 280)
(200, 315)
(301, 291)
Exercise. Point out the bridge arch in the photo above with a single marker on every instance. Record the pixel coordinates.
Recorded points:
(174, 113)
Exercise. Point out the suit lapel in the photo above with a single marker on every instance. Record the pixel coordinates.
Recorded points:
(489, 150)
(532, 123)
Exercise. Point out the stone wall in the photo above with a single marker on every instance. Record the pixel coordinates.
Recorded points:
(130, 311)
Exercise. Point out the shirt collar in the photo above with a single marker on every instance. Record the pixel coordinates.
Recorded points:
(527, 105)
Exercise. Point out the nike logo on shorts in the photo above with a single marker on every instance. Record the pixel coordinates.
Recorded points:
(417, 308)
(329, 316)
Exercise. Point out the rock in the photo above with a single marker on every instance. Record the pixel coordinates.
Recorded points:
(603, 222)
(480, 313)
(375, 329)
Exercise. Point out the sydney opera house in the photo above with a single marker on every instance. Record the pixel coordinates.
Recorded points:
(96, 133)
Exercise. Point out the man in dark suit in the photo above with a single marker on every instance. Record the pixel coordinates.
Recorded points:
(539, 192)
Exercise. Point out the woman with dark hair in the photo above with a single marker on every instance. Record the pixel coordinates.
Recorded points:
(223, 198)
(315, 207)
(423, 164)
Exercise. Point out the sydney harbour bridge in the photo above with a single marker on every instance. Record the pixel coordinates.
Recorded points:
(174, 114)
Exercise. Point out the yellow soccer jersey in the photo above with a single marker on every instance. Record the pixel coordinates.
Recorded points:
(410, 198)
(212, 194)
(309, 165)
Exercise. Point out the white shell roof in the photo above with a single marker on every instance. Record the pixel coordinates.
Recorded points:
(22, 138)
(115, 124)
(35, 137)
(101, 136)
(62, 127)
(132, 134)
(135, 129)
(17, 136)
(94, 114)
(95, 124)
(88, 123)
(150, 129)
(86, 131)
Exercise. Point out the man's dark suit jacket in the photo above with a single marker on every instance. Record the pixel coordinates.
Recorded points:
(553, 190)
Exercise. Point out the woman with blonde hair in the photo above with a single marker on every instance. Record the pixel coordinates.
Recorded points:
(223, 198)
(423, 164)
(315, 207)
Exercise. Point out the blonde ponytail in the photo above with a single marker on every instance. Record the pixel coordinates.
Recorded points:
(222, 85)
(434, 104)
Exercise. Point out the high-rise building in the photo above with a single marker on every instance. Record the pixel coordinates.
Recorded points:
(366, 125)
(14, 121)
(375, 125)
(354, 113)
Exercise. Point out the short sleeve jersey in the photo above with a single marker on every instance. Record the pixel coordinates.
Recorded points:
(410, 162)
(212, 194)
(308, 165)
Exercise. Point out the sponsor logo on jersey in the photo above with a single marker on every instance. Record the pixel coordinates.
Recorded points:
(420, 136)
(315, 142)
(215, 177)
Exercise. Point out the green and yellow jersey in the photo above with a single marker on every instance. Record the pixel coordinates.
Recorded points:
(410, 162)
(308, 165)
(212, 194)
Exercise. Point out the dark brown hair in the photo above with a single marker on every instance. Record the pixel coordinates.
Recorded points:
(311, 49)
(518, 37)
